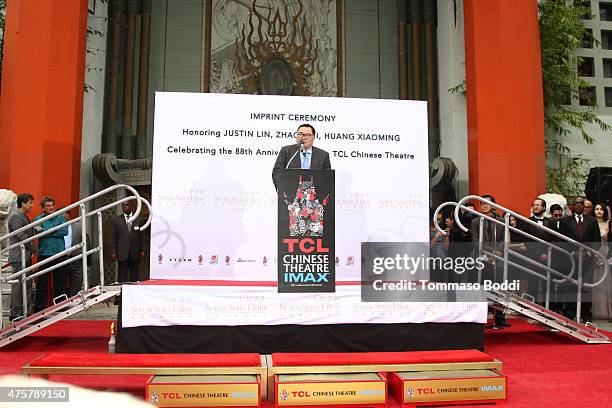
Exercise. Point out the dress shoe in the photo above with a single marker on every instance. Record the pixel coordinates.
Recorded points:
(496, 327)
(504, 324)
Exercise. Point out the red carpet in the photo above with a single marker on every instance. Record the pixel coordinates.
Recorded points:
(544, 369)
(548, 369)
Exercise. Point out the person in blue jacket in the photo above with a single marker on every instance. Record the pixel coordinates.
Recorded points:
(49, 245)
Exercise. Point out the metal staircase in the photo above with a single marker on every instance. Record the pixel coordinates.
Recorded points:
(63, 306)
(19, 328)
(525, 308)
(501, 252)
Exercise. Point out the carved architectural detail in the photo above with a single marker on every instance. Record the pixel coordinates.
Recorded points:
(269, 41)
(281, 47)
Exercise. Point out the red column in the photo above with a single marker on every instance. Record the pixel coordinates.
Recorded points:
(41, 100)
(505, 109)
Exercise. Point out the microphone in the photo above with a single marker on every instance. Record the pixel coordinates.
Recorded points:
(301, 149)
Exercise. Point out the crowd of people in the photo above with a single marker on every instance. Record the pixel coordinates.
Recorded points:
(49, 245)
(62, 282)
(582, 221)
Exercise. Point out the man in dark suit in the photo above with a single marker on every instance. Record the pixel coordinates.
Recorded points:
(309, 157)
(582, 228)
(556, 213)
(127, 243)
(19, 219)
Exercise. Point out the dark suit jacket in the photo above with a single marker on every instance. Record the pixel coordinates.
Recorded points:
(559, 261)
(591, 236)
(318, 161)
(536, 249)
(126, 244)
(17, 220)
(493, 232)
(552, 224)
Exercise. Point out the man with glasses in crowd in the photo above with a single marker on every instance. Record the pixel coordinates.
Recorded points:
(556, 213)
(302, 154)
(535, 250)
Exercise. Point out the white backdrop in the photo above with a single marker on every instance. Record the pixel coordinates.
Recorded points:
(215, 212)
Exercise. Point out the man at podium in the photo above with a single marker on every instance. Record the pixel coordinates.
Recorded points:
(302, 154)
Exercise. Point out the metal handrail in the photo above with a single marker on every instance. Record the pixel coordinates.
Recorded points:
(563, 276)
(81, 247)
(581, 248)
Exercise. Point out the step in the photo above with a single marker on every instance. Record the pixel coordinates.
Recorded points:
(353, 389)
(447, 387)
(546, 317)
(204, 390)
(52, 314)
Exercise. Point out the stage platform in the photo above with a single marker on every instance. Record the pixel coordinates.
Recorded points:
(288, 378)
(233, 317)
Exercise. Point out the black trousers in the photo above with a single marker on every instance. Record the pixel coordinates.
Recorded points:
(128, 270)
(75, 275)
(59, 283)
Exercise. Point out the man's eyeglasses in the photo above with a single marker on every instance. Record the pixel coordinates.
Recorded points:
(579, 203)
(302, 134)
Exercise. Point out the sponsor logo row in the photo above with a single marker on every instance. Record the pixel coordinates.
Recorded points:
(200, 260)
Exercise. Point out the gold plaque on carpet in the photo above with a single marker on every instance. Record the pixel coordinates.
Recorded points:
(330, 389)
(204, 390)
(447, 386)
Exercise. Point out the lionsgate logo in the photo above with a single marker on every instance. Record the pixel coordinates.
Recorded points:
(200, 259)
(160, 259)
(180, 259)
(227, 260)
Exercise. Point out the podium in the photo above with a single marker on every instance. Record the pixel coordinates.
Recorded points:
(306, 231)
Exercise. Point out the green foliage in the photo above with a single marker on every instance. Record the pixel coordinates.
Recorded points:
(460, 89)
(562, 32)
